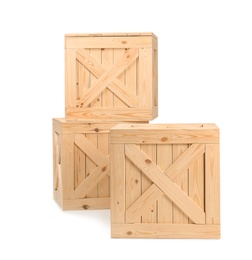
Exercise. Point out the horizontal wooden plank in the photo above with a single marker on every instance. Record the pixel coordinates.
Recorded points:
(150, 230)
(94, 114)
(72, 42)
(164, 136)
(88, 203)
(111, 34)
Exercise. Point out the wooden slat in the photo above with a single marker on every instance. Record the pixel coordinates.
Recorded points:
(165, 136)
(88, 147)
(96, 100)
(121, 77)
(183, 158)
(155, 78)
(212, 184)
(87, 203)
(119, 114)
(165, 183)
(70, 78)
(93, 179)
(133, 185)
(79, 166)
(93, 157)
(145, 77)
(98, 70)
(196, 182)
(131, 79)
(117, 181)
(107, 62)
(164, 160)
(111, 74)
(149, 216)
(165, 231)
(103, 146)
(108, 42)
(180, 179)
(142, 205)
(56, 151)
(67, 165)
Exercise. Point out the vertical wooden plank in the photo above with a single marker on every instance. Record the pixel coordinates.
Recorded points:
(145, 77)
(182, 182)
(117, 54)
(117, 177)
(83, 80)
(196, 183)
(90, 165)
(164, 160)
(133, 185)
(151, 215)
(70, 77)
(155, 77)
(55, 160)
(212, 184)
(131, 78)
(95, 53)
(79, 166)
(67, 166)
(107, 61)
(103, 146)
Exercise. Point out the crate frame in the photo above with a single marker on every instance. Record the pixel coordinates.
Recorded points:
(111, 76)
(81, 164)
(150, 214)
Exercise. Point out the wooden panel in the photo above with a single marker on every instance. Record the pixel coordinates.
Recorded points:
(108, 42)
(67, 166)
(149, 216)
(165, 231)
(79, 166)
(155, 77)
(143, 206)
(100, 84)
(89, 185)
(70, 78)
(90, 164)
(164, 160)
(183, 158)
(165, 184)
(212, 184)
(103, 146)
(96, 100)
(145, 77)
(133, 183)
(182, 181)
(196, 182)
(107, 62)
(117, 165)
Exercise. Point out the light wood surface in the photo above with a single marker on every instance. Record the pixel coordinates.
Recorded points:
(81, 164)
(179, 195)
(107, 72)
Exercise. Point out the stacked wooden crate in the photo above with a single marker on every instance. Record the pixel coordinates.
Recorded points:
(109, 79)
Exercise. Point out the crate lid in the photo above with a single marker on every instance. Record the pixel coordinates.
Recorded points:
(110, 34)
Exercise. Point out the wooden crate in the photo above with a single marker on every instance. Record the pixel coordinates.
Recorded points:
(111, 76)
(165, 181)
(81, 164)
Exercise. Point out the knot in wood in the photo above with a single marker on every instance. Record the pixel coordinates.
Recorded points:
(104, 169)
(148, 161)
(96, 130)
(136, 181)
(85, 206)
(164, 139)
(129, 233)
(124, 42)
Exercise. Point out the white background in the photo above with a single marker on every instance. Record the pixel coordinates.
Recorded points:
(205, 75)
